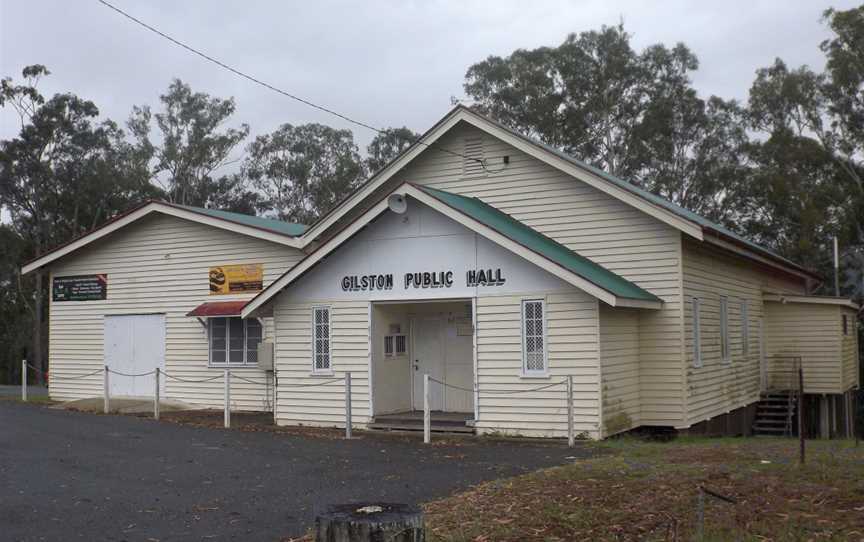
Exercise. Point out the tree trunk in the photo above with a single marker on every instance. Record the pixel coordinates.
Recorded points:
(370, 523)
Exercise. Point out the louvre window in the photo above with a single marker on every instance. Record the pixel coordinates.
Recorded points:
(745, 328)
(394, 345)
(321, 339)
(234, 341)
(533, 337)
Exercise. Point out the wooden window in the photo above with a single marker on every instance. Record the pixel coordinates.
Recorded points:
(724, 329)
(321, 340)
(697, 332)
(234, 341)
(745, 328)
(534, 361)
(394, 345)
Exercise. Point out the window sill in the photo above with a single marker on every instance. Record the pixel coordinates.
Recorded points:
(322, 374)
(537, 376)
(232, 367)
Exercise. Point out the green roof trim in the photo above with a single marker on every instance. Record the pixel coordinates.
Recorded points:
(653, 198)
(270, 224)
(550, 249)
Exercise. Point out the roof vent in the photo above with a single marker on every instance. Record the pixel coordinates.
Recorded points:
(472, 156)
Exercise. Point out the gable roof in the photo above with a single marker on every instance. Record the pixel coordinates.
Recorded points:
(495, 226)
(541, 244)
(682, 219)
(282, 233)
(290, 229)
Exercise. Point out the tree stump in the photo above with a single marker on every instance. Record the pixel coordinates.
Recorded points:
(375, 522)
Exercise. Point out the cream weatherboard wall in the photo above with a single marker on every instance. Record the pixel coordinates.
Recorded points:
(849, 349)
(720, 386)
(613, 234)
(158, 265)
(812, 332)
(619, 355)
(573, 349)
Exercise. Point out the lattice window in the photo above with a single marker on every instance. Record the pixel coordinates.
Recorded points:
(321, 339)
(533, 337)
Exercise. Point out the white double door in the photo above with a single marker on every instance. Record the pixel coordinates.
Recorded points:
(134, 344)
(440, 351)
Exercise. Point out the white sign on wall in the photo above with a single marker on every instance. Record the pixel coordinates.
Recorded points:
(420, 254)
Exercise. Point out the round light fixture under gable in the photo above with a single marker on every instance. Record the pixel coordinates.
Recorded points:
(397, 203)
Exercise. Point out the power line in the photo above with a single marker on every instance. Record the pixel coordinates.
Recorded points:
(278, 90)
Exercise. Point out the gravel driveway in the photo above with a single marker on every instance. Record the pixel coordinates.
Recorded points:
(75, 476)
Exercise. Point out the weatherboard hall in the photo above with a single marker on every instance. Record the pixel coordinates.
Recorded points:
(501, 270)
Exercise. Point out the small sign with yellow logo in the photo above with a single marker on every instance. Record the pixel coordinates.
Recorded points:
(236, 279)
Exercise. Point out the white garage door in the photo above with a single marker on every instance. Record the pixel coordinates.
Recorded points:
(134, 344)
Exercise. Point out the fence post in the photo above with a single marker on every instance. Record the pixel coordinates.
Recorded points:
(571, 437)
(156, 395)
(801, 412)
(24, 380)
(105, 395)
(348, 405)
(427, 415)
(227, 398)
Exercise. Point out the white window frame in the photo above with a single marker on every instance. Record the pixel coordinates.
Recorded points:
(745, 327)
(544, 336)
(697, 332)
(725, 350)
(329, 368)
(227, 363)
(393, 339)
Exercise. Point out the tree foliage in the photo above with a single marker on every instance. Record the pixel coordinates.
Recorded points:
(303, 171)
(192, 146)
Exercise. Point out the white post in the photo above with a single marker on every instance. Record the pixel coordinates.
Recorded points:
(227, 398)
(105, 400)
(156, 395)
(24, 380)
(427, 416)
(571, 437)
(348, 405)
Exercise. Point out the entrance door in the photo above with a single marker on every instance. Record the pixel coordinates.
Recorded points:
(428, 359)
(134, 344)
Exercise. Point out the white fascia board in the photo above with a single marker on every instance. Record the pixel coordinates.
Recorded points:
(382, 177)
(514, 247)
(665, 216)
(691, 229)
(813, 300)
(309, 261)
(407, 190)
(164, 209)
(751, 255)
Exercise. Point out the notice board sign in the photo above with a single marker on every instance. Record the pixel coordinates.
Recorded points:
(236, 279)
(80, 288)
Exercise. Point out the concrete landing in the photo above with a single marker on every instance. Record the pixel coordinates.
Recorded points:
(126, 405)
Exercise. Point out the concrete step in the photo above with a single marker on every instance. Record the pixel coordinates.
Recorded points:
(435, 427)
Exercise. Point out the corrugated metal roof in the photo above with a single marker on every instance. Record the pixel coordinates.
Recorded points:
(270, 224)
(537, 242)
(218, 308)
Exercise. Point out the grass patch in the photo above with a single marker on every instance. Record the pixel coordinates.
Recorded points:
(649, 491)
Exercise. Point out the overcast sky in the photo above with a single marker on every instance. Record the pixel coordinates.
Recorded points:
(388, 63)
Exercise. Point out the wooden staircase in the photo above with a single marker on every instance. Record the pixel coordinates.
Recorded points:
(775, 413)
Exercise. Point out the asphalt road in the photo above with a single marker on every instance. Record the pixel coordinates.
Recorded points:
(15, 391)
(76, 476)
